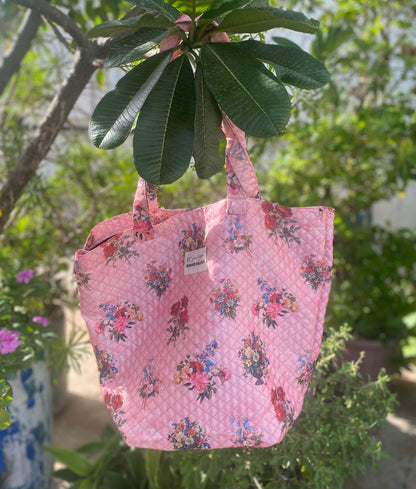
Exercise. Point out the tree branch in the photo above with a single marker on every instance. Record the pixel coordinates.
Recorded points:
(85, 64)
(21, 45)
(53, 14)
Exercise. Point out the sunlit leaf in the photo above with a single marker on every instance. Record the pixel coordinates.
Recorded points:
(116, 112)
(262, 19)
(253, 98)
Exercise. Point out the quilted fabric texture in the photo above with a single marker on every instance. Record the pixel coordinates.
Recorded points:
(207, 323)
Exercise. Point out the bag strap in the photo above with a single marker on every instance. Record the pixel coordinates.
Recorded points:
(241, 183)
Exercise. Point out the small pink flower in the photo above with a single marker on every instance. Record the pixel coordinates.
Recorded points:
(25, 276)
(273, 309)
(226, 374)
(9, 341)
(200, 381)
(120, 324)
(99, 328)
(255, 310)
(41, 320)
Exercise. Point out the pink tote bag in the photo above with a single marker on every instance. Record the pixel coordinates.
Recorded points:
(207, 323)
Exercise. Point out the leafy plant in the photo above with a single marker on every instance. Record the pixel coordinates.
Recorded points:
(375, 282)
(24, 333)
(333, 439)
(175, 98)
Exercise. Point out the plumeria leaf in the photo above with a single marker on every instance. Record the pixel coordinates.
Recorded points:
(223, 7)
(209, 140)
(116, 112)
(262, 19)
(134, 47)
(112, 27)
(293, 65)
(282, 41)
(253, 98)
(192, 6)
(169, 11)
(164, 133)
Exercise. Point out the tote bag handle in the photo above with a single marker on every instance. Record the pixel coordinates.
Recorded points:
(241, 183)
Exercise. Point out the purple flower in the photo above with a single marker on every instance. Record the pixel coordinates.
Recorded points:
(41, 320)
(9, 341)
(25, 276)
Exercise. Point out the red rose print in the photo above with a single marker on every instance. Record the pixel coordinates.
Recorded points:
(284, 212)
(280, 412)
(271, 221)
(174, 311)
(117, 402)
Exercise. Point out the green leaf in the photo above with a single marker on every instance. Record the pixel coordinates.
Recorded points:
(116, 112)
(73, 460)
(111, 27)
(134, 47)
(262, 19)
(164, 134)
(192, 7)
(152, 462)
(209, 140)
(66, 475)
(5, 419)
(6, 394)
(169, 11)
(223, 7)
(282, 41)
(293, 65)
(253, 98)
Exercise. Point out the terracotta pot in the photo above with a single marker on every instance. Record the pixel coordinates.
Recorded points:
(377, 355)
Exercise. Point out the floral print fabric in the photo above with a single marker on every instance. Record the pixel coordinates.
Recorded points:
(217, 358)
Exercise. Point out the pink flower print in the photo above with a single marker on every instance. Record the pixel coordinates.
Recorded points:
(200, 381)
(158, 277)
(41, 320)
(245, 434)
(225, 299)
(273, 303)
(118, 318)
(151, 383)
(315, 272)
(9, 341)
(188, 434)
(225, 374)
(99, 328)
(274, 309)
(253, 358)
(121, 323)
(25, 276)
(200, 373)
(193, 238)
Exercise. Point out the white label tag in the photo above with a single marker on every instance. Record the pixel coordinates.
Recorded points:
(195, 261)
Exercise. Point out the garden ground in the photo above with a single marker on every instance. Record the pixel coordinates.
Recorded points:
(83, 416)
